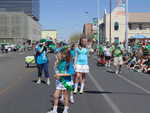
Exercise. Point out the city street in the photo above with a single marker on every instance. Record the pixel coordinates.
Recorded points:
(105, 92)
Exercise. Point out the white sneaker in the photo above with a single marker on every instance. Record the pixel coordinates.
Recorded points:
(117, 72)
(48, 82)
(39, 81)
(72, 100)
(52, 112)
(81, 91)
(65, 111)
(75, 90)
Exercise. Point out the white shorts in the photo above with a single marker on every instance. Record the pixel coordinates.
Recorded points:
(118, 61)
(82, 68)
(60, 86)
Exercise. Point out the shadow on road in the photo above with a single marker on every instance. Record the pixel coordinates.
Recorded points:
(31, 67)
(97, 92)
(117, 93)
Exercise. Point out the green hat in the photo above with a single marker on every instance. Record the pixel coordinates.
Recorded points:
(43, 40)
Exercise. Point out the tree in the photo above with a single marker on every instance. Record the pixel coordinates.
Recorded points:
(75, 37)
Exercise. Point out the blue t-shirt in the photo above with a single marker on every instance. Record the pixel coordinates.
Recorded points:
(64, 67)
(72, 52)
(82, 56)
(41, 57)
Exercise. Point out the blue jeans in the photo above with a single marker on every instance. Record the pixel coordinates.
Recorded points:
(44, 67)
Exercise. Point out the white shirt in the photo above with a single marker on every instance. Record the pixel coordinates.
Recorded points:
(107, 52)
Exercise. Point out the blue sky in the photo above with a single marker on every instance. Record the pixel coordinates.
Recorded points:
(68, 16)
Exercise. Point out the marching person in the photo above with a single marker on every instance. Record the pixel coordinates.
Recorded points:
(118, 58)
(72, 71)
(107, 53)
(64, 83)
(81, 64)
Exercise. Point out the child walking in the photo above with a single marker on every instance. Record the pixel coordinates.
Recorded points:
(64, 83)
(81, 65)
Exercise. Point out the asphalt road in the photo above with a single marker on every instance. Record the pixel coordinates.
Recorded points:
(105, 92)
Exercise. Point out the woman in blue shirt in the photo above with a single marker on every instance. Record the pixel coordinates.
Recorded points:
(81, 64)
(42, 62)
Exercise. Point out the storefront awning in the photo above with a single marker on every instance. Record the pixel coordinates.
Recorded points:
(139, 37)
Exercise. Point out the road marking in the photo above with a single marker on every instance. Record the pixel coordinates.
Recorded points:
(106, 97)
(134, 84)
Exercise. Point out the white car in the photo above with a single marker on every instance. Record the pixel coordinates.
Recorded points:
(10, 47)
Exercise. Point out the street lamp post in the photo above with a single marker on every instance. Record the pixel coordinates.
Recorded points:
(110, 3)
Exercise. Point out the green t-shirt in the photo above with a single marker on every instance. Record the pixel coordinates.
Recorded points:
(148, 47)
(101, 49)
(117, 53)
(112, 48)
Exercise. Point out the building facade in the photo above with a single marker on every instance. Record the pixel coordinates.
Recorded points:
(17, 27)
(138, 24)
(88, 29)
(29, 7)
(49, 34)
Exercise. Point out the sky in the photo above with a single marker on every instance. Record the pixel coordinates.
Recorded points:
(69, 16)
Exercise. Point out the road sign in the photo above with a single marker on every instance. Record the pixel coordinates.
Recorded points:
(95, 21)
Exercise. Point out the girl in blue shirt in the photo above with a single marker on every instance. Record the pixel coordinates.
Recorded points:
(81, 64)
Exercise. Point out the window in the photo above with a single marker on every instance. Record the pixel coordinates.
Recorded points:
(116, 26)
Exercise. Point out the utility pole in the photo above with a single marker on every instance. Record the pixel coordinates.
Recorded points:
(98, 8)
(126, 23)
(110, 3)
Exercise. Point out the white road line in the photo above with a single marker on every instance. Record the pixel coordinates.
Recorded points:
(106, 97)
(134, 84)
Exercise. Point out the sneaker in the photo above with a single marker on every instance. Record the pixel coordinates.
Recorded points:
(139, 70)
(52, 112)
(75, 91)
(38, 82)
(48, 82)
(71, 100)
(65, 111)
(117, 72)
(81, 91)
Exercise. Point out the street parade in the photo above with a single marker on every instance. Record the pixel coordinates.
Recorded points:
(74, 56)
